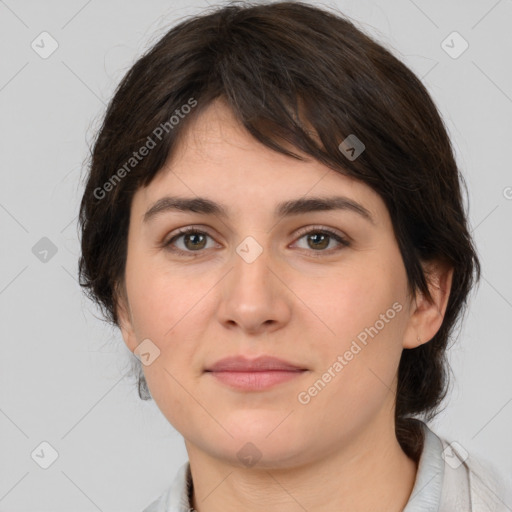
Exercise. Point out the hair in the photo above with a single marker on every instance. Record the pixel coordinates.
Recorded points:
(298, 74)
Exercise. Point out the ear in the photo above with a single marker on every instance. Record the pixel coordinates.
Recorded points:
(427, 317)
(124, 317)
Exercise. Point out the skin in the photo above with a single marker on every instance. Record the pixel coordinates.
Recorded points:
(300, 301)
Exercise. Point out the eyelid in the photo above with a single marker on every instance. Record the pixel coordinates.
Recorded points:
(340, 237)
(343, 240)
(183, 231)
(318, 227)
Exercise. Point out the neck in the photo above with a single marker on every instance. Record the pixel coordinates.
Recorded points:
(370, 473)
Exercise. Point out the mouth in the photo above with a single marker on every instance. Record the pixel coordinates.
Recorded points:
(257, 374)
(256, 380)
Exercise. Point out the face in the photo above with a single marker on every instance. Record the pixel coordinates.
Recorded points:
(323, 289)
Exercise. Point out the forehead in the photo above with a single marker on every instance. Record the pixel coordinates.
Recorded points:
(217, 157)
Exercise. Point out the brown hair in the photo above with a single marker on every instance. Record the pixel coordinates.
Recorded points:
(275, 64)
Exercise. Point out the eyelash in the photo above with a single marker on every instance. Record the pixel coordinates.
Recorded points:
(307, 231)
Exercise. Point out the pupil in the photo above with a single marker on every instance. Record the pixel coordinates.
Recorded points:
(191, 236)
(318, 237)
(325, 237)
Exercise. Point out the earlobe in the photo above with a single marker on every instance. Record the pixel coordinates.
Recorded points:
(128, 334)
(428, 316)
(125, 323)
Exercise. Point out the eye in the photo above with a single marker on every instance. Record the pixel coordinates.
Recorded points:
(193, 241)
(319, 238)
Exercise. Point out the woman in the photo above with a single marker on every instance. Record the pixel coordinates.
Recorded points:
(273, 217)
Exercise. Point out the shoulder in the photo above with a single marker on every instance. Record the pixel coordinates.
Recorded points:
(470, 483)
(160, 504)
(175, 497)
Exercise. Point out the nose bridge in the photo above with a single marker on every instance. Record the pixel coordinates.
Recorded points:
(250, 280)
(252, 296)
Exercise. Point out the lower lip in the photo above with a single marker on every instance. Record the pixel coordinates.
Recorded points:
(256, 381)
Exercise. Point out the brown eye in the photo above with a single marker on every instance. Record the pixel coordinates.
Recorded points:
(194, 241)
(319, 240)
(190, 240)
(187, 241)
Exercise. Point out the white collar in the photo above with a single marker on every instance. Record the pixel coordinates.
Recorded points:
(445, 482)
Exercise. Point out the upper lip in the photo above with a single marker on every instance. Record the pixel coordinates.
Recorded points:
(259, 364)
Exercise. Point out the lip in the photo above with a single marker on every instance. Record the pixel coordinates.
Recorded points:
(259, 364)
(257, 374)
(256, 381)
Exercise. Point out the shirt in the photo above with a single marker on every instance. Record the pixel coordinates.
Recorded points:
(447, 480)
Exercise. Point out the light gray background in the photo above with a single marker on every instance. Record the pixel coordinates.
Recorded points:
(61, 368)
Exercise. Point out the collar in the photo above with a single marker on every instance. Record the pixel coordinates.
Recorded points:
(443, 482)
(428, 486)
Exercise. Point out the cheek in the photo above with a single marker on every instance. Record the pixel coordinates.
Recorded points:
(159, 298)
(165, 308)
(345, 302)
(170, 396)
(361, 318)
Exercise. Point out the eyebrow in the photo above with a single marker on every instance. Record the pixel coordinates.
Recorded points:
(284, 209)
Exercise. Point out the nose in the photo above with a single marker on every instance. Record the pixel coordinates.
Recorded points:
(254, 295)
